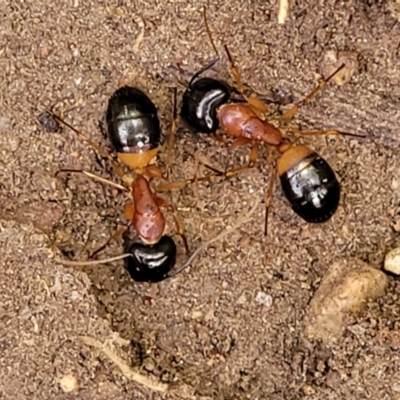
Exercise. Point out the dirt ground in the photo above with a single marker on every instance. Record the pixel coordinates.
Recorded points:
(204, 333)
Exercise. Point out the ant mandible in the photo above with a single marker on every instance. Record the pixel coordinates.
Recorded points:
(134, 131)
(307, 180)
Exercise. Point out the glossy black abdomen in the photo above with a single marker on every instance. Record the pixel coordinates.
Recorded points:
(132, 122)
(312, 189)
(151, 263)
(200, 103)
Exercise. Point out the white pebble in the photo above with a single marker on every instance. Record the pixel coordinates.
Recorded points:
(68, 383)
(264, 299)
(395, 183)
(74, 295)
(392, 261)
(242, 299)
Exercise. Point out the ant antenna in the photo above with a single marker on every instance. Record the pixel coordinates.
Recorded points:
(203, 69)
(208, 31)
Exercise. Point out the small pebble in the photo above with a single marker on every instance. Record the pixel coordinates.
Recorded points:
(345, 289)
(392, 261)
(3, 124)
(264, 299)
(68, 383)
(242, 299)
(396, 387)
(395, 183)
(148, 364)
(197, 314)
(48, 122)
(14, 144)
(74, 295)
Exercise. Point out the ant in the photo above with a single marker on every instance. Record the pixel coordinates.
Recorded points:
(134, 131)
(307, 180)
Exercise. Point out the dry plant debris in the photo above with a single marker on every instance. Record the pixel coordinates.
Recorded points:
(140, 37)
(283, 11)
(123, 366)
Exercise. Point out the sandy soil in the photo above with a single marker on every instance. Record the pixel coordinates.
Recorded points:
(204, 333)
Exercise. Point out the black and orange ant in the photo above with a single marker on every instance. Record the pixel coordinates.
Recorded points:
(134, 131)
(307, 180)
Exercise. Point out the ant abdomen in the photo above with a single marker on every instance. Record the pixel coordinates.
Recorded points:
(132, 121)
(151, 263)
(309, 184)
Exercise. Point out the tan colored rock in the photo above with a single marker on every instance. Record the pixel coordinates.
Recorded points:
(344, 290)
(68, 383)
(392, 261)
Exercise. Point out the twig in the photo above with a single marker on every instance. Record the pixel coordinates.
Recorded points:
(283, 11)
(92, 262)
(123, 366)
(140, 37)
(241, 221)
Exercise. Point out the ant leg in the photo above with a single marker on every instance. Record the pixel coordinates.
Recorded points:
(104, 153)
(292, 111)
(252, 161)
(166, 187)
(227, 174)
(241, 142)
(203, 69)
(236, 143)
(153, 171)
(92, 176)
(257, 105)
(119, 232)
(253, 158)
(209, 32)
(219, 139)
(235, 72)
(129, 211)
(179, 227)
(180, 230)
(298, 132)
